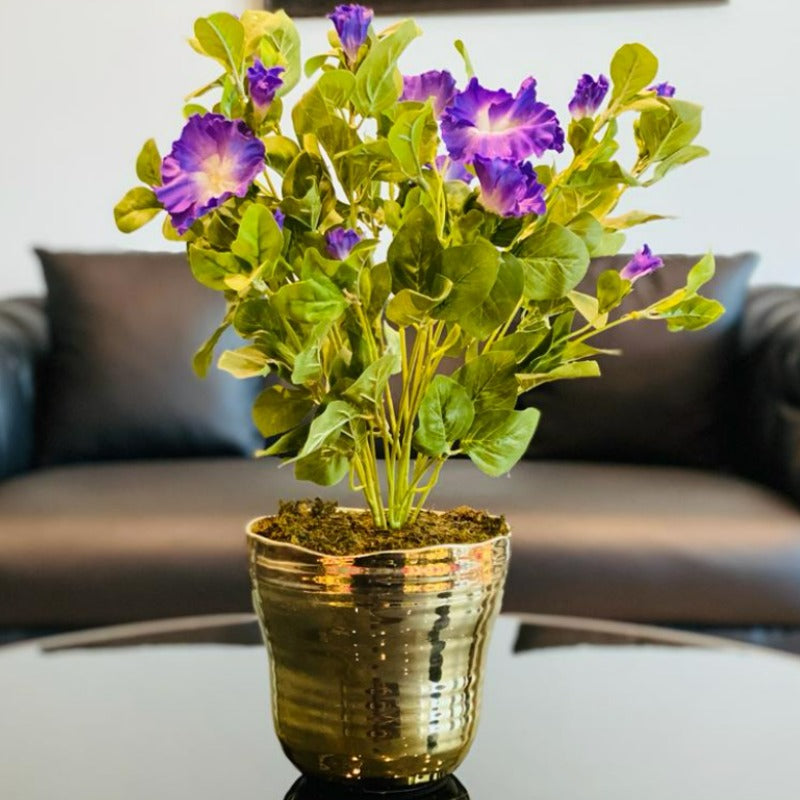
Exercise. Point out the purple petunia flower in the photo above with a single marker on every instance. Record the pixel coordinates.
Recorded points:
(589, 96)
(642, 263)
(438, 84)
(509, 188)
(352, 22)
(214, 159)
(263, 82)
(453, 170)
(496, 125)
(340, 241)
(663, 89)
(280, 217)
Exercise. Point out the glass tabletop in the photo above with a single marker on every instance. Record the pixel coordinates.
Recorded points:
(571, 710)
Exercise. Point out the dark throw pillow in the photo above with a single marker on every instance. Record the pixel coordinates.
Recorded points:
(665, 399)
(118, 381)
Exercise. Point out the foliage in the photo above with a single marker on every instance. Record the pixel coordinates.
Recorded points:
(356, 336)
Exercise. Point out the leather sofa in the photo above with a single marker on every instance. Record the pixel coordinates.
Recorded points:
(666, 492)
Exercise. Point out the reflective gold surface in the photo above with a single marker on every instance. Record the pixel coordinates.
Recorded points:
(377, 659)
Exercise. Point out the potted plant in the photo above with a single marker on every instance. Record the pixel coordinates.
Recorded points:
(401, 223)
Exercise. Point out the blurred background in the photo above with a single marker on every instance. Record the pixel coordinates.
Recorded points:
(85, 82)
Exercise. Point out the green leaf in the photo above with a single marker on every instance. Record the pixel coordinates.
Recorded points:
(555, 261)
(445, 415)
(327, 427)
(190, 109)
(588, 307)
(610, 244)
(683, 156)
(408, 307)
(202, 358)
(278, 409)
(378, 81)
(325, 467)
(631, 219)
(212, 268)
(414, 138)
(499, 439)
(701, 273)
(148, 164)
(602, 175)
(259, 239)
(314, 300)
(589, 229)
(314, 63)
(496, 310)
(307, 366)
(413, 250)
(374, 287)
(661, 134)
(633, 68)
(579, 133)
(215, 84)
(489, 381)
(255, 316)
(277, 39)
(337, 86)
(611, 290)
(221, 36)
(462, 51)
(692, 314)
(245, 362)
(472, 269)
(312, 112)
(520, 343)
(575, 369)
(171, 235)
(342, 273)
(136, 208)
(287, 445)
(280, 152)
(370, 385)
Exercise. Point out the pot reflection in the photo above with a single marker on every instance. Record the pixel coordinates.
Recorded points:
(310, 789)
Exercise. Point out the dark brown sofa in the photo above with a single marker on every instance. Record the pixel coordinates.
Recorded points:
(666, 492)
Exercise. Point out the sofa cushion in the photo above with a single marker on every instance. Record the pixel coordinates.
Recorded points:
(89, 544)
(118, 381)
(665, 399)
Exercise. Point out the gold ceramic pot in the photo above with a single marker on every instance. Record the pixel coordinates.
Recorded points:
(377, 659)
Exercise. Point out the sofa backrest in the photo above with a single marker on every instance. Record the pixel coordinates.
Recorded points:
(117, 383)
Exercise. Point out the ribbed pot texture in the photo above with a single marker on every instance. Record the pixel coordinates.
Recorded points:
(377, 659)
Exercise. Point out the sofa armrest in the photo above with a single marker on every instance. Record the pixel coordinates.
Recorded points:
(766, 398)
(23, 339)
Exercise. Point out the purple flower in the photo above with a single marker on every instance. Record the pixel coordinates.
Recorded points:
(280, 217)
(496, 125)
(509, 188)
(663, 89)
(352, 23)
(438, 84)
(589, 96)
(263, 82)
(340, 241)
(642, 263)
(214, 159)
(453, 170)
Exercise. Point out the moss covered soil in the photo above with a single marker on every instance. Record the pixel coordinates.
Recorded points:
(321, 526)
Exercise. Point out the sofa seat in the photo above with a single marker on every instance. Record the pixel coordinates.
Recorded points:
(135, 540)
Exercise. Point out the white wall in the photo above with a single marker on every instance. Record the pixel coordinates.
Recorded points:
(83, 83)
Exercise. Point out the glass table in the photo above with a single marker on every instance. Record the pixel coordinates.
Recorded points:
(572, 711)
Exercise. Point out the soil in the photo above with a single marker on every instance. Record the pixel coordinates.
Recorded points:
(320, 526)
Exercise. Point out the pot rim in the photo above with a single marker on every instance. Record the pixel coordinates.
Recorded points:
(251, 534)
